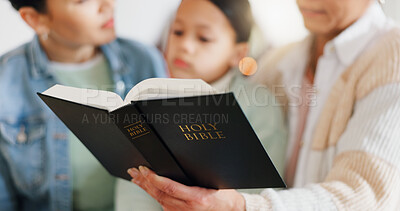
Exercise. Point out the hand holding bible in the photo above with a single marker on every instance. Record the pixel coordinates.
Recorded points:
(175, 196)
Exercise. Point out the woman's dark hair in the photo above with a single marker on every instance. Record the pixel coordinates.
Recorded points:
(38, 5)
(239, 15)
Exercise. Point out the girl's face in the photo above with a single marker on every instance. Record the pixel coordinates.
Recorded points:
(330, 17)
(81, 22)
(202, 42)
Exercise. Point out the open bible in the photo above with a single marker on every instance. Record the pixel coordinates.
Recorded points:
(180, 128)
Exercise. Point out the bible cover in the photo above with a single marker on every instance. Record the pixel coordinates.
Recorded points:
(201, 141)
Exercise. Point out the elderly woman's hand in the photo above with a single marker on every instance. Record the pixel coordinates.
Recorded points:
(175, 196)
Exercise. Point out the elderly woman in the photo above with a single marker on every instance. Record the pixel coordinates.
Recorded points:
(343, 152)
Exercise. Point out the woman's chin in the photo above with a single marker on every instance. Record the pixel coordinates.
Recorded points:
(106, 39)
(102, 37)
(317, 29)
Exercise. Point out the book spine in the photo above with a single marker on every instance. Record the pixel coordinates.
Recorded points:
(134, 126)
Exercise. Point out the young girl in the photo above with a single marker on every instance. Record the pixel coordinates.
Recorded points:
(42, 165)
(207, 40)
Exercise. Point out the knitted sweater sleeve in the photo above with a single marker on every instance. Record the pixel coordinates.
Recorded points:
(366, 171)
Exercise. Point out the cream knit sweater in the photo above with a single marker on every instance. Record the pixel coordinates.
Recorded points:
(359, 130)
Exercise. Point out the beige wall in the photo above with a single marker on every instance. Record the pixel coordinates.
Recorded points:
(144, 20)
(392, 9)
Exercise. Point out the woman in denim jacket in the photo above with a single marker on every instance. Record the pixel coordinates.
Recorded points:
(42, 165)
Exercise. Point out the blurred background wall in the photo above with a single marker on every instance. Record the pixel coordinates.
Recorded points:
(145, 20)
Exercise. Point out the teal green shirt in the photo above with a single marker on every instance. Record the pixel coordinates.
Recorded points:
(92, 185)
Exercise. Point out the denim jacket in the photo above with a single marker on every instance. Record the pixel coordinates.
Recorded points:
(34, 157)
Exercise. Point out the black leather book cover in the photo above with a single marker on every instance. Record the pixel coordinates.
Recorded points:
(133, 125)
(203, 140)
(97, 130)
(212, 141)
